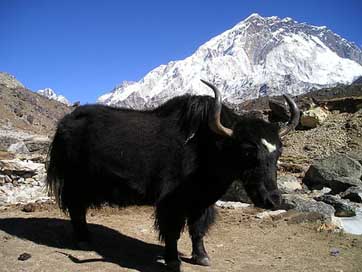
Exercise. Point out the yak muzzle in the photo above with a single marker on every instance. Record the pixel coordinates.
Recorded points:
(273, 200)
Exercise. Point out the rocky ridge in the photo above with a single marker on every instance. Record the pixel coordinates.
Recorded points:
(10, 81)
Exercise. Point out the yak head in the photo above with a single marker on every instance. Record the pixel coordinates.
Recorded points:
(251, 148)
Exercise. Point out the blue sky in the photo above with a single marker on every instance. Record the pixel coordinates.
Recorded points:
(82, 49)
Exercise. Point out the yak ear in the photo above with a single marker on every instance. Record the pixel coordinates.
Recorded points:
(192, 128)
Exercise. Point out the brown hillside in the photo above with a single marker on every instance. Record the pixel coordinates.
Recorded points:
(21, 109)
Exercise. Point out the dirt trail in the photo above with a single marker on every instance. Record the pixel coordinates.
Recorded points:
(124, 240)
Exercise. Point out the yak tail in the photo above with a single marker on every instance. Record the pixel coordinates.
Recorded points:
(55, 166)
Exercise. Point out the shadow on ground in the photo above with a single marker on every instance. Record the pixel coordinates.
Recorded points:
(112, 245)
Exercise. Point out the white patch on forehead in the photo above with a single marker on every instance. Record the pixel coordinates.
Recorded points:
(271, 147)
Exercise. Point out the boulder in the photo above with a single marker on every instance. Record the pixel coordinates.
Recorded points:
(38, 144)
(18, 167)
(353, 193)
(18, 148)
(288, 184)
(343, 208)
(6, 141)
(313, 117)
(338, 172)
(302, 203)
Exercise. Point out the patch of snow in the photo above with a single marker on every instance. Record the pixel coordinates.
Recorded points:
(353, 224)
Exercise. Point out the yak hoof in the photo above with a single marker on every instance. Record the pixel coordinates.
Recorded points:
(174, 266)
(201, 260)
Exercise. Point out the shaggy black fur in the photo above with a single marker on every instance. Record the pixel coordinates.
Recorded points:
(167, 157)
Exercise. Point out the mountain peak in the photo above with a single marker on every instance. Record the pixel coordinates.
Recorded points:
(50, 93)
(254, 16)
(258, 56)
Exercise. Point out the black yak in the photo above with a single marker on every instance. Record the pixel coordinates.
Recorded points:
(180, 157)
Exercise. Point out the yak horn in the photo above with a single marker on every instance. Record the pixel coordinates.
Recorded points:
(214, 116)
(294, 117)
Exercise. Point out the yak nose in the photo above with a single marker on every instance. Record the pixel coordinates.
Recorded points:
(273, 200)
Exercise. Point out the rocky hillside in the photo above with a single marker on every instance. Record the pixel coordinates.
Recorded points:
(21, 109)
(10, 81)
(27, 123)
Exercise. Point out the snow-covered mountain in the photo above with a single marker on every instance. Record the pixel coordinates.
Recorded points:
(259, 56)
(49, 93)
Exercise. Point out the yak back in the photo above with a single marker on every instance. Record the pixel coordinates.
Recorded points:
(120, 155)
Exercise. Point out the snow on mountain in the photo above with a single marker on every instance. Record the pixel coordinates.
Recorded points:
(49, 93)
(259, 56)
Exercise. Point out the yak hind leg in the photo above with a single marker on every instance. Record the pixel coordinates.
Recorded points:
(198, 225)
(80, 229)
(170, 222)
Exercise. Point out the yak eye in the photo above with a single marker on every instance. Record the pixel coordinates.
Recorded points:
(248, 146)
(248, 149)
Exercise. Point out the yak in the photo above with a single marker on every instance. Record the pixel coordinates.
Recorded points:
(180, 157)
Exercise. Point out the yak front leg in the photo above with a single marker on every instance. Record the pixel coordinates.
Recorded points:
(199, 224)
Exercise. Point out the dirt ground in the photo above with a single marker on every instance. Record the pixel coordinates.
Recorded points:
(124, 240)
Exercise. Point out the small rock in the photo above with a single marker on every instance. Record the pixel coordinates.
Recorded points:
(231, 204)
(29, 180)
(303, 203)
(335, 252)
(30, 118)
(38, 144)
(2, 179)
(270, 214)
(3, 200)
(353, 193)
(7, 179)
(18, 148)
(21, 180)
(318, 193)
(19, 167)
(24, 256)
(313, 117)
(288, 184)
(342, 207)
(28, 208)
(309, 147)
